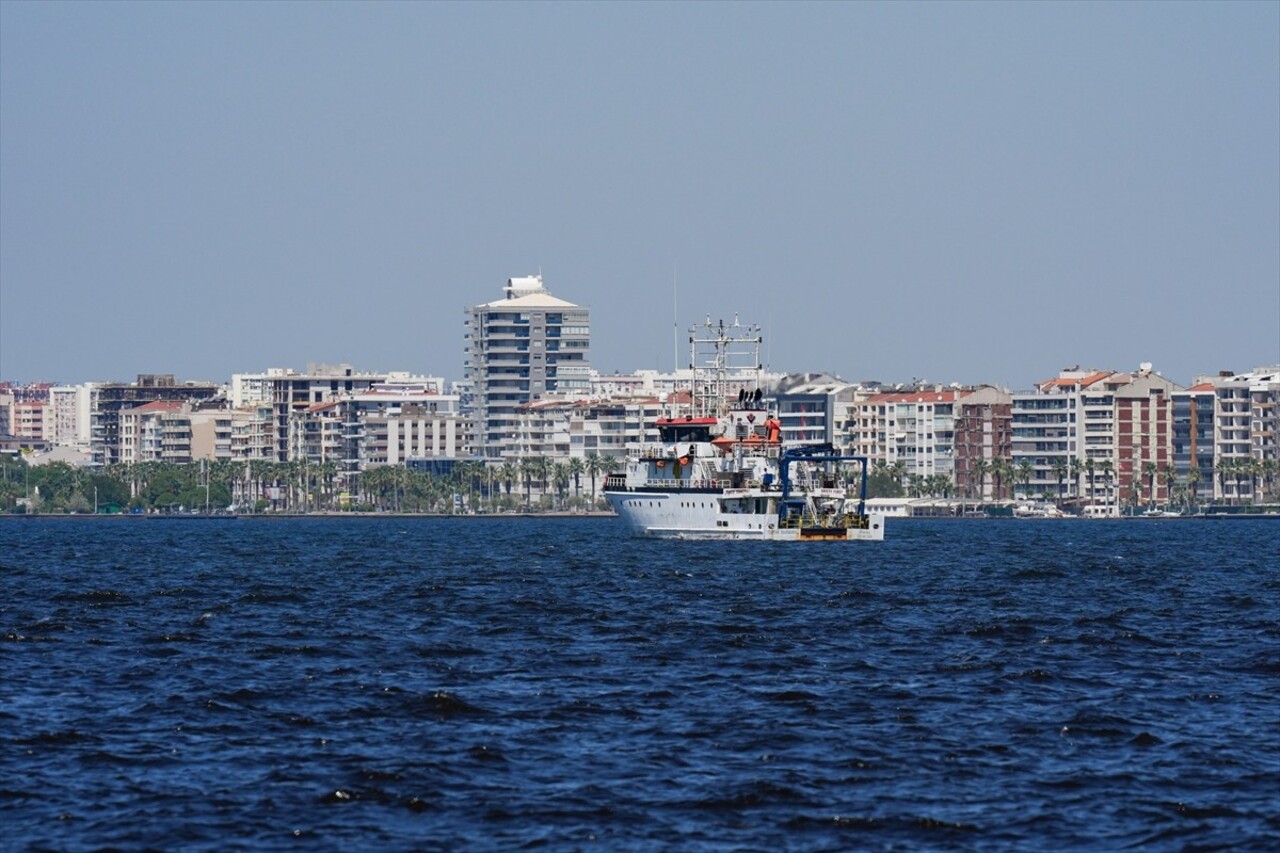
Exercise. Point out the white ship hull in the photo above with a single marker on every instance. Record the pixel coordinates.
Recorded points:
(706, 515)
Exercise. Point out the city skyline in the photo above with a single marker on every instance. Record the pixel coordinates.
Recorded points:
(972, 193)
(1048, 375)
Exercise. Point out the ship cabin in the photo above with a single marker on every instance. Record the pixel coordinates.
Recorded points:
(686, 430)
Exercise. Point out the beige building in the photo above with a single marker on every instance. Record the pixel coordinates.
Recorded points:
(155, 432)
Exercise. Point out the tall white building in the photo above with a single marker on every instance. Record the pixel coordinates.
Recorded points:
(521, 348)
(70, 407)
(1246, 433)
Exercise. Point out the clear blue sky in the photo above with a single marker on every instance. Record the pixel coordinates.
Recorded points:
(954, 191)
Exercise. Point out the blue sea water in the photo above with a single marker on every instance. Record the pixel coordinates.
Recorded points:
(450, 684)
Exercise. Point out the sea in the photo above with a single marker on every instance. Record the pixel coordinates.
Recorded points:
(511, 683)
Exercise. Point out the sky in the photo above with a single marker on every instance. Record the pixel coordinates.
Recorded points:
(948, 192)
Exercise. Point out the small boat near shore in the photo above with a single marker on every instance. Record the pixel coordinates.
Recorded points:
(1039, 510)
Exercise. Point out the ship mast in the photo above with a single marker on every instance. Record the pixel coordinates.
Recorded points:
(722, 356)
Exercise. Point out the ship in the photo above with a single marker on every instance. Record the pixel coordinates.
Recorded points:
(721, 470)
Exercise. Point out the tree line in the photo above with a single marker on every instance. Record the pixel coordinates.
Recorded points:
(1011, 481)
(534, 484)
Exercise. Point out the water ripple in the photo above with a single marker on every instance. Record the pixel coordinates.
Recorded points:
(441, 684)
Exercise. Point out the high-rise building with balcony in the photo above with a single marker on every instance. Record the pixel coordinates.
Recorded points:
(523, 347)
(983, 436)
(1193, 441)
(1103, 427)
(109, 399)
(1246, 434)
(289, 393)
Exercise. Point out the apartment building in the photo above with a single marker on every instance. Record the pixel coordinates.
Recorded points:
(1246, 432)
(607, 427)
(983, 435)
(1144, 438)
(404, 420)
(810, 407)
(1193, 445)
(154, 432)
(914, 427)
(1102, 428)
(24, 412)
(289, 393)
(1048, 434)
(560, 429)
(109, 399)
(27, 419)
(69, 416)
(518, 349)
(210, 434)
(253, 433)
(398, 424)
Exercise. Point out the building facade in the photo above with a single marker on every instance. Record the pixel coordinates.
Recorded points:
(1144, 439)
(1246, 432)
(983, 437)
(291, 393)
(108, 400)
(521, 348)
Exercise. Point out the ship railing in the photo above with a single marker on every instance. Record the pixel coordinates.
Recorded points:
(679, 485)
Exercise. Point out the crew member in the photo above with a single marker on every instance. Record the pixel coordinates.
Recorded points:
(773, 428)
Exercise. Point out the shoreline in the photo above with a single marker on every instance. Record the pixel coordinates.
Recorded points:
(282, 516)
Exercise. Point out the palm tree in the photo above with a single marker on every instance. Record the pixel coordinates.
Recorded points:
(325, 472)
(998, 476)
(913, 484)
(560, 479)
(577, 467)
(1023, 472)
(940, 485)
(465, 474)
(1077, 470)
(982, 468)
(1008, 479)
(424, 490)
(595, 466)
(899, 472)
(1135, 495)
(1270, 467)
(1090, 468)
(1108, 468)
(1149, 470)
(1226, 468)
(534, 468)
(491, 479)
(1170, 476)
(1060, 471)
(372, 482)
(508, 472)
(1193, 478)
(1252, 469)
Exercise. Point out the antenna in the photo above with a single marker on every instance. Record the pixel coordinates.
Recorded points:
(675, 319)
